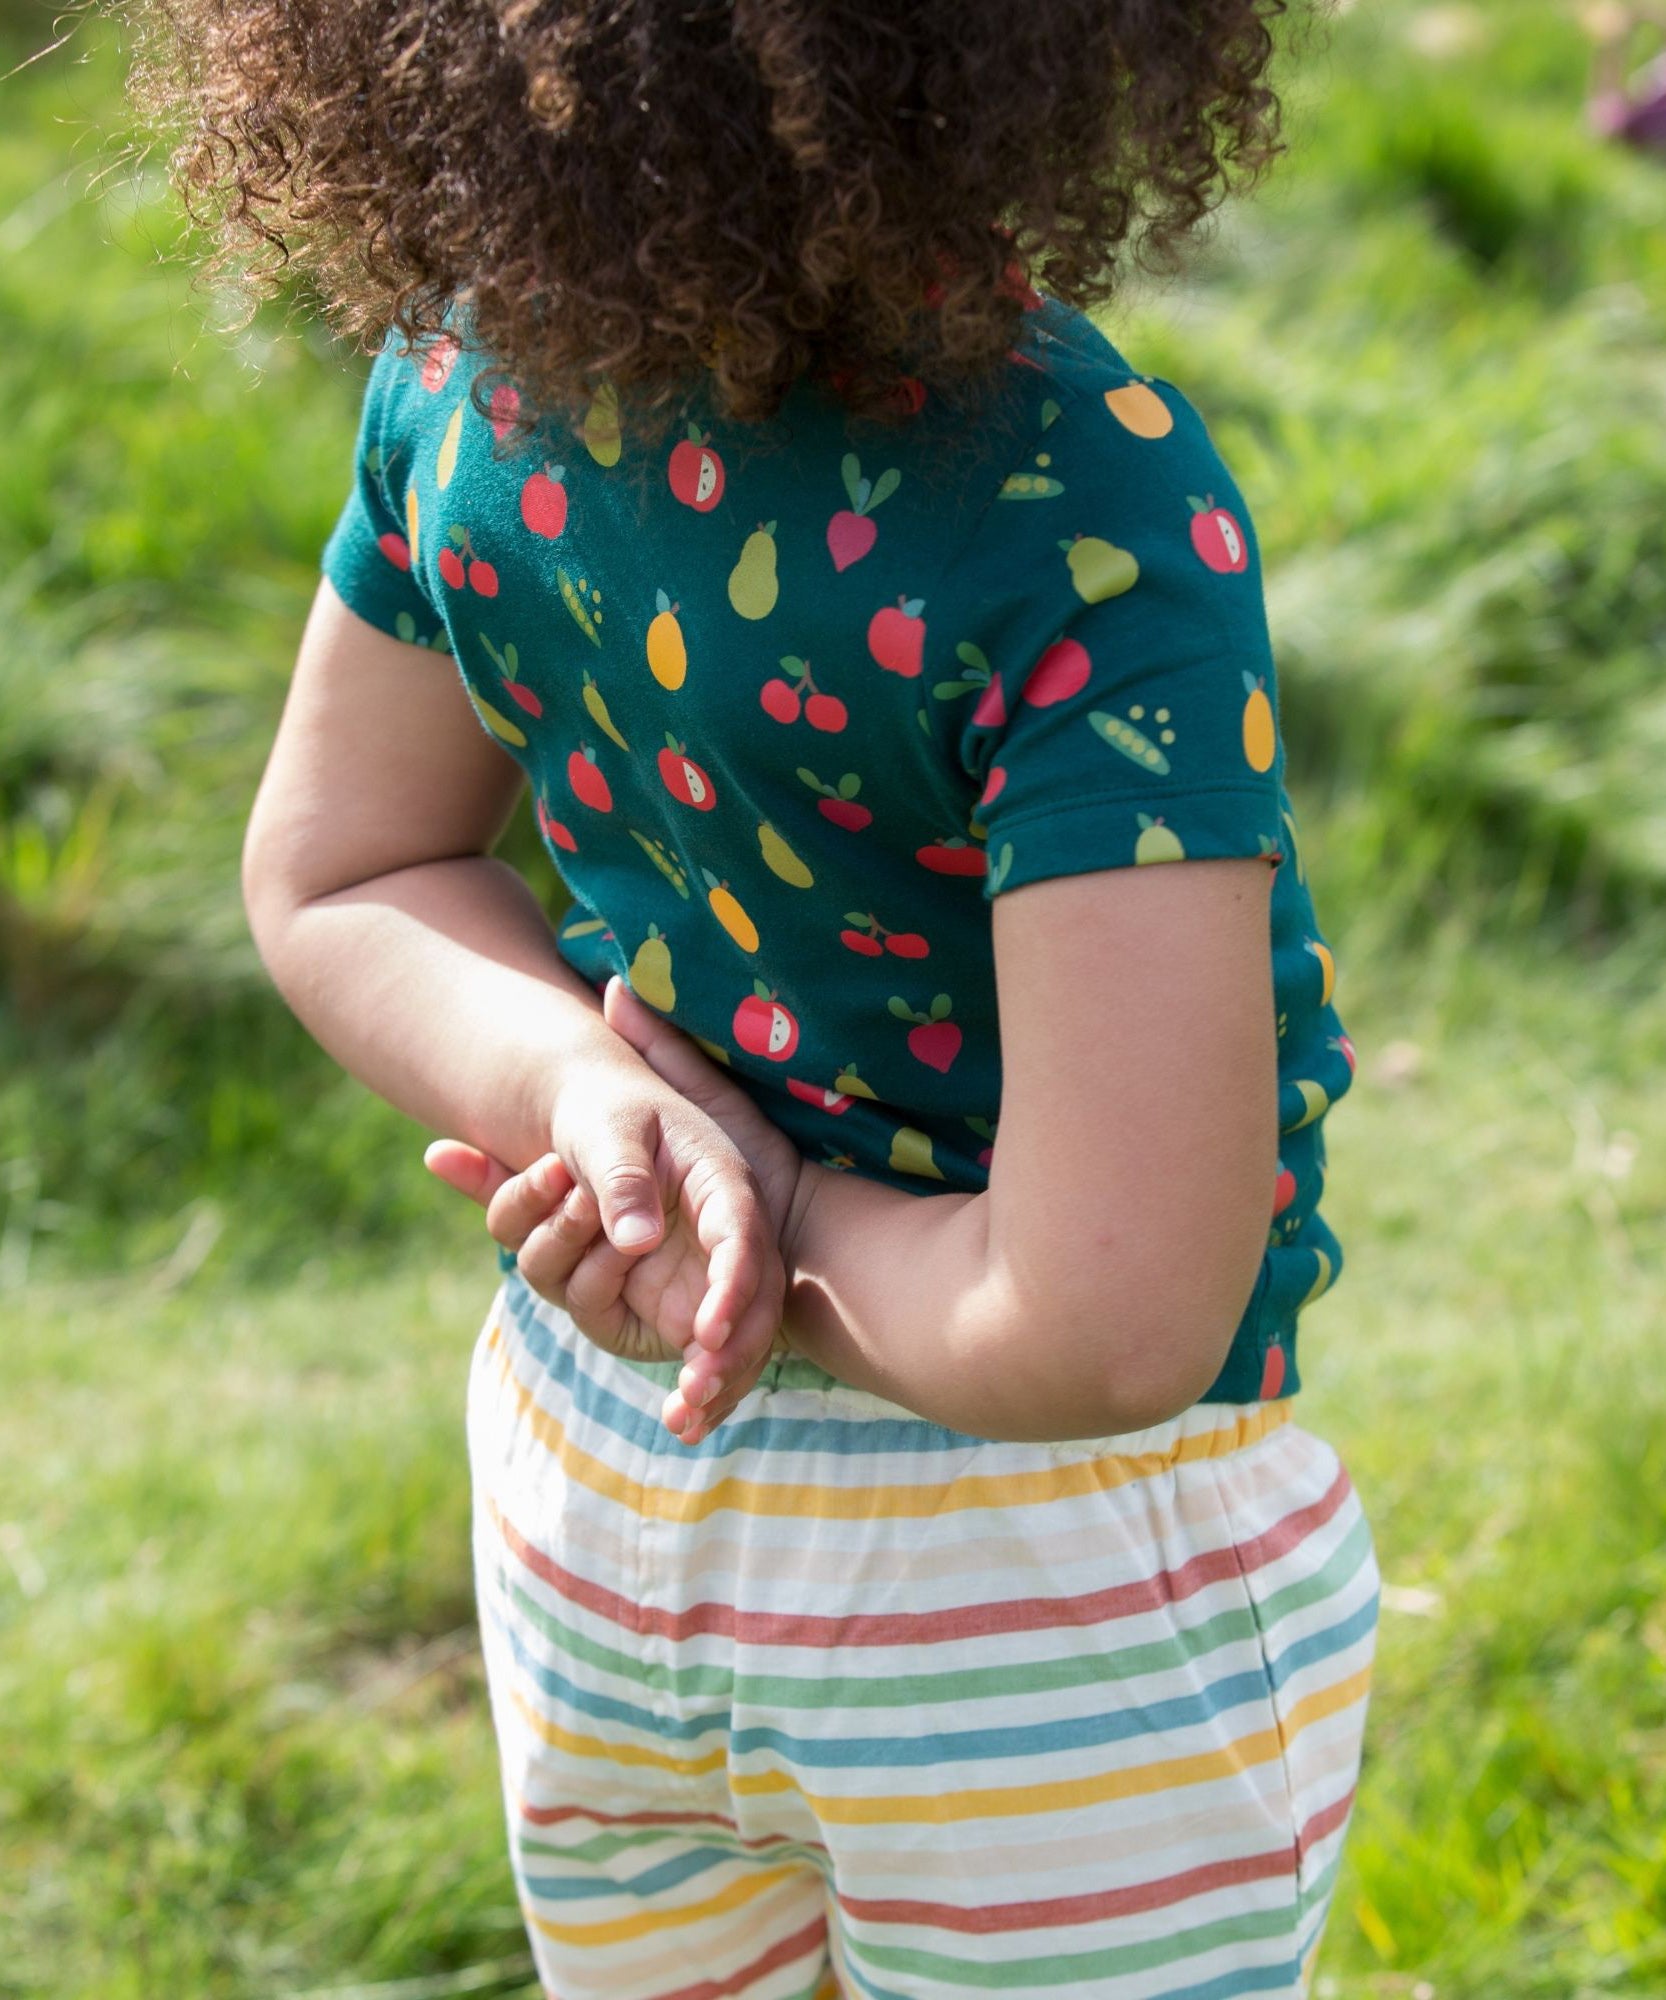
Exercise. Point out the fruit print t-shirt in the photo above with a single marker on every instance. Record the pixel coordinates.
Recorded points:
(796, 701)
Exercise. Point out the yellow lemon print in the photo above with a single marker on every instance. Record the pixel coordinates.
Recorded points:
(667, 654)
(446, 464)
(1260, 741)
(1140, 409)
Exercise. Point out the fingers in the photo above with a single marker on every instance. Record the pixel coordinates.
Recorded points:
(466, 1169)
(617, 1156)
(522, 1202)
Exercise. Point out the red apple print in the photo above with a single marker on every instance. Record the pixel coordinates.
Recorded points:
(395, 548)
(1346, 1045)
(813, 1093)
(696, 472)
(544, 502)
(451, 568)
(589, 786)
(934, 1040)
(1284, 1191)
(897, 636)
(826, 712)
(780, 700)
(1061, 672)
(441, 358)
(1272, 1373)
(683, 778)
(838, 802)
(763, 1027)
(952, 857)
(1218, 538)
(992, 790)
(554, 831)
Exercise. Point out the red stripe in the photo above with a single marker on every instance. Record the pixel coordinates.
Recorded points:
(1326, 1820)
(812, 1937)
(1134, 1900)
(923, 1628)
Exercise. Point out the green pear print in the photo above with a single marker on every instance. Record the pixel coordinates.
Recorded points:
(753, 584)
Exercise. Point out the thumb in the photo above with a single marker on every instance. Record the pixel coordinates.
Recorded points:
(466, 1169)
(618, 1163)
(667, 1051)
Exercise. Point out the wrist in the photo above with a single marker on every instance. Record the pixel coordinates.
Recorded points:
(811, 1179)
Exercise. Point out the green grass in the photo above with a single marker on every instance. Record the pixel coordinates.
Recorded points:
(243, 1742)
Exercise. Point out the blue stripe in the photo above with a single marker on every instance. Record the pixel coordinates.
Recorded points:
(852, 1752)
(1321, 1645)
(864, 1437)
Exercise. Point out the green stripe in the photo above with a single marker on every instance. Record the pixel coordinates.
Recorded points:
(784, 1691)
(898, 1690)
(1065, 1968)
(1349, 1553)
(603, 1846)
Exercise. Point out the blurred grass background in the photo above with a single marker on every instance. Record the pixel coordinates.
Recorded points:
(243, 1740)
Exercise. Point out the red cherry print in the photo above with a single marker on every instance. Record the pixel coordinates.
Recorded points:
(555, 831)
(451, 568)
(683, 778)
(780, 700)
(440, 359)
(1272, 1374)
(483, 579)
(589, 786)
(1061, 672)
(907, 944)
(544, 502)
(826, 712)
(1284, 1191)
(862, 941)
(395, 548)
(897, 636)
(1219, 538)
(696, 472)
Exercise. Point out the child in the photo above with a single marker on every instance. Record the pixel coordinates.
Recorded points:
(901, 1570)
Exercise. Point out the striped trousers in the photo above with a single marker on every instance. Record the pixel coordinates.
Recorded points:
(840, 1705)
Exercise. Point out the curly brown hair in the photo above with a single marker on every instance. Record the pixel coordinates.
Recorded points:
(655, 192)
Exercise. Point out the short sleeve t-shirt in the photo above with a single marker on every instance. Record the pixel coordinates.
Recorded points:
(797, 701)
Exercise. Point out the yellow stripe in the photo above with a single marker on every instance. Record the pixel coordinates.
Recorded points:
(992, 1802)
(621, 1930)
(869, 1502)
(615, 1753)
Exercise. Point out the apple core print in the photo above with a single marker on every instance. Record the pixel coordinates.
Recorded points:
(827, 696)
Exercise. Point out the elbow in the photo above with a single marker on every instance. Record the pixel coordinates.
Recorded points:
(1152, 1337)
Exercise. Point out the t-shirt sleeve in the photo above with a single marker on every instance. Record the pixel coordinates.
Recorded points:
(1127, 710)
(370, 556)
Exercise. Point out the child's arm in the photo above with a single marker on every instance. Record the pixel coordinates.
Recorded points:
(429, 970)
(1095, 1287)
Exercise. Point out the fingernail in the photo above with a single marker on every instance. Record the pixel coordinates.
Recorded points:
(633, 1227)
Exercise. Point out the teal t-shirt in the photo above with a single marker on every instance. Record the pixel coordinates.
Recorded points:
(796, 701)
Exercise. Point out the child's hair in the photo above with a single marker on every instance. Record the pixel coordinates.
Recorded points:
(645, 190)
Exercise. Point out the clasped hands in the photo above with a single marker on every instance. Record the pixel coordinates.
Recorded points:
(660, 1218)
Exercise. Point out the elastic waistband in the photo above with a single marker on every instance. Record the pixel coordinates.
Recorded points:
(1205, 1430)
